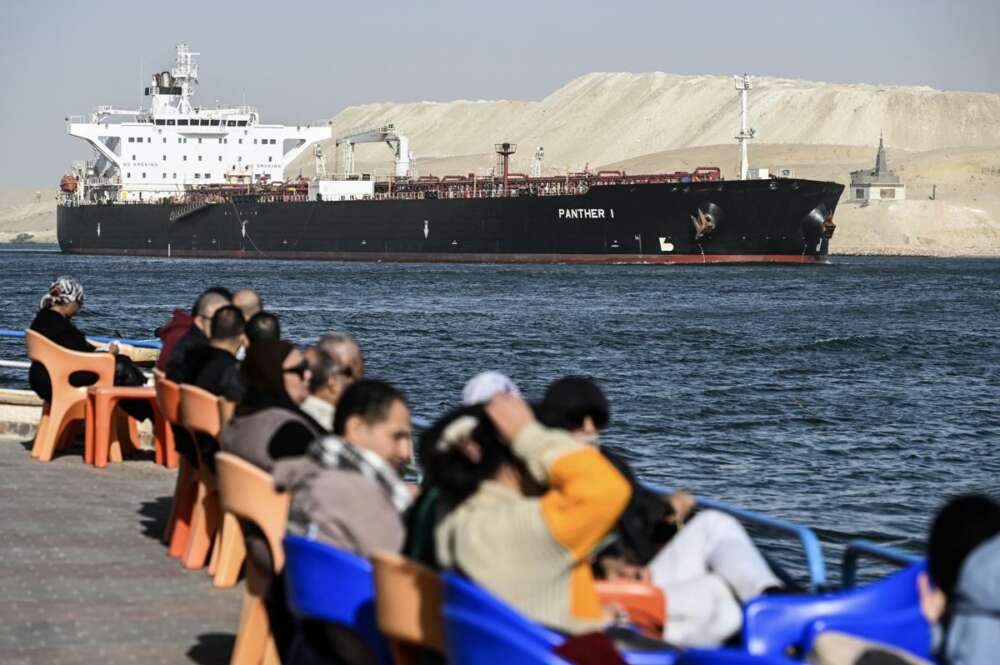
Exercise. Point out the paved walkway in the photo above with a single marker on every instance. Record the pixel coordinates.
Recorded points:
(84, 577)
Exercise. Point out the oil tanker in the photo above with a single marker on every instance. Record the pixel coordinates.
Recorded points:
(175, 179)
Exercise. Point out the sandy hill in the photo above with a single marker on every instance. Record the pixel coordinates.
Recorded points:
(602, 118)
(28, 215)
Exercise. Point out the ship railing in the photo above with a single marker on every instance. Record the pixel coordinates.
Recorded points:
(856, 549)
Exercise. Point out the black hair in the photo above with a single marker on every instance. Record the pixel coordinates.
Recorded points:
(227, 322)
(208, 294)
(324, 367)
(569, 400)
(961, 526)
(454, 475)
(369, 399)
(263, 327)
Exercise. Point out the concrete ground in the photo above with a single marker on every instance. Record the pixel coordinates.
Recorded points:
(84, 577)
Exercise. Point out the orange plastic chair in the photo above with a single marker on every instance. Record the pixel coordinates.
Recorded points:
(645, 603)
(108, 430)
(248, 493)
(408, 599)
(68, 405)
(168, 400)
(203, 414)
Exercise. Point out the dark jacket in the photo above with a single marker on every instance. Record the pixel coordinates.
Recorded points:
(188, 356)
(642, 529)
(60, 330)
(220, 374)
(169, 333)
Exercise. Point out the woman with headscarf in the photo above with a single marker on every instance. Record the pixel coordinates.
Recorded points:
(53, 320)
(268, 423)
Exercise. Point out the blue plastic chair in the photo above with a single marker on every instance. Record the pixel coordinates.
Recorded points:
(730, 657)
(323, 583)
(782, 625)
(474, 640)
(906, 629)
(464, 596)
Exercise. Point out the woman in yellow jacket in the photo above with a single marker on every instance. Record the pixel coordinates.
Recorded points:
(528, 507)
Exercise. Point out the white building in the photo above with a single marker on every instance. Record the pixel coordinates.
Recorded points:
(876, 184)
(173, 146)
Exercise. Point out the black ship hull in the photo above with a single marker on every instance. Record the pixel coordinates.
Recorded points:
(783, 220)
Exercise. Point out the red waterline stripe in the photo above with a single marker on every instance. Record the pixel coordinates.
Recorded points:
(606, 259)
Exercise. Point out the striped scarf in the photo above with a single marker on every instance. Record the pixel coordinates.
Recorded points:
(332, 452)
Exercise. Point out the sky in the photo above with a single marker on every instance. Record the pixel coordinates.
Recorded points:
(304, 61)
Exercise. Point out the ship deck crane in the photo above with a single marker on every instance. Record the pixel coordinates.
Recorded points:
(399, 144)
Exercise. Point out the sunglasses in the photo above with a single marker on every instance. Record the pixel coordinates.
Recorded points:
(299, 369)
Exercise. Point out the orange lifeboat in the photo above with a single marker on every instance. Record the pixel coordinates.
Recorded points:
(68, 184)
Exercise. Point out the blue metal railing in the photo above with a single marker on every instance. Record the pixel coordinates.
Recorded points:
(812, 549)
(143, 343)
(857, 548)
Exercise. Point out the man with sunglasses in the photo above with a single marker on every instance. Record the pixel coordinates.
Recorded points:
(347, 352)
(330, 377)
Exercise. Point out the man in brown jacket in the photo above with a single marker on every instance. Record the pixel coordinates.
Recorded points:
(346, 490)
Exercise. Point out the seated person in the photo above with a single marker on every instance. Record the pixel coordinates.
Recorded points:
(706, 569)
(963, 559)
(422, 517)
(220, 372)
(187, 357)
(268, 423)
(248, 301)
(347, 490)
(54, 321)
(528, 545)
(178, 325)
(262, 327)
(347, 352)
(328, 382)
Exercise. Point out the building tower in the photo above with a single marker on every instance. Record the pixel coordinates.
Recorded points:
(876, 184)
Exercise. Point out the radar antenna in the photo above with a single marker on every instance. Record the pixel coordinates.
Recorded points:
(744, 84)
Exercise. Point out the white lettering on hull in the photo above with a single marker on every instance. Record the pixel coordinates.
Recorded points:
(585, 213)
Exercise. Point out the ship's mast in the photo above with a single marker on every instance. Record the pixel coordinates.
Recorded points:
(505, 150)
(744, 84)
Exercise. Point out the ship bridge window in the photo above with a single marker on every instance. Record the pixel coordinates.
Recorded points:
(208, 176)
(215, 123)
(272, 141)
(133, 158)
(242, 123)
(230, 123)
(131, 139)
(197, 176)
(205, 123)
(171, 122)
(182, 122)
(220, 158)
(199, 158)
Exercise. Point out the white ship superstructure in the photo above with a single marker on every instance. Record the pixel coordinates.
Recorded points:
(161, 152)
